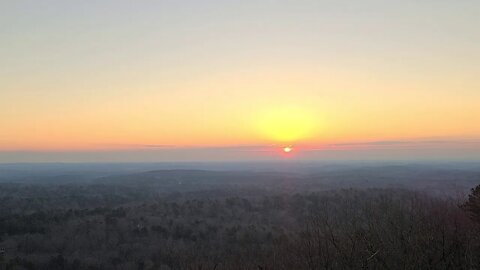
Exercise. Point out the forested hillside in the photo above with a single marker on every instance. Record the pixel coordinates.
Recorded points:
(159, 223)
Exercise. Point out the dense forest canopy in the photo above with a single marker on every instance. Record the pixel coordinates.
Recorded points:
(383, 217)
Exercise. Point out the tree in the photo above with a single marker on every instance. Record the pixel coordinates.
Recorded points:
(472, 206)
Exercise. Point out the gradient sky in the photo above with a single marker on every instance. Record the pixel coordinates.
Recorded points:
(234, 80)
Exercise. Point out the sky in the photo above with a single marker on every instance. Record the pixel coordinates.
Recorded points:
(118, 80)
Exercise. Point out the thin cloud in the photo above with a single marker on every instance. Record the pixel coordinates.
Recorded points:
(397, 144)
(157, 146)
(370, 143)
(255, 147)
(134, 146)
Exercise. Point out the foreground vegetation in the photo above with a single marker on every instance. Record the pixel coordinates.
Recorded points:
(114, 227)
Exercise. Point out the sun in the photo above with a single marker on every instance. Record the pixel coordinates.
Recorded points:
(285, 124)
(287, 149)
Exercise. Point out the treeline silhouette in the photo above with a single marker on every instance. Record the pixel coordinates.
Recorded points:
(117, 227)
